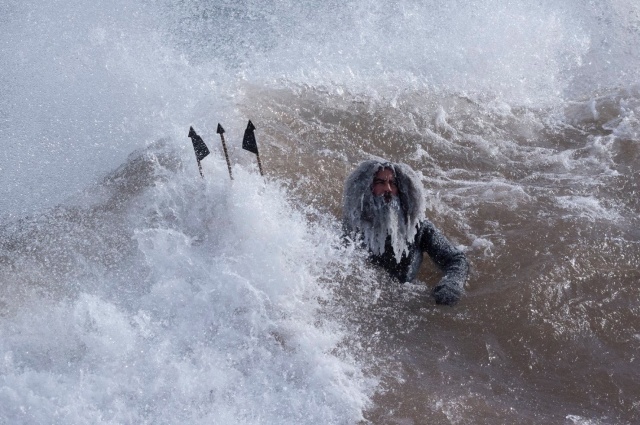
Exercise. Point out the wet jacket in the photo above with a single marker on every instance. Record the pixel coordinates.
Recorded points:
(448, 258)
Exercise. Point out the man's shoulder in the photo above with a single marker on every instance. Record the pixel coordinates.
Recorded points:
(425, 225)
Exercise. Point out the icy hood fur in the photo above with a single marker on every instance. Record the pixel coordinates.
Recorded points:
(357, 212)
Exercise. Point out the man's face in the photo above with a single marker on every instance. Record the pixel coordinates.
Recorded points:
(384, 184)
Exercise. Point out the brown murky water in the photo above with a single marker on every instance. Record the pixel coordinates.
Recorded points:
(546, 205)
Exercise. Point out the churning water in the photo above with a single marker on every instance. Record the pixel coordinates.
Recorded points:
(134, 291)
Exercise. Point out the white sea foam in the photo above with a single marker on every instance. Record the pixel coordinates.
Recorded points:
(220, 325)
(587, 207)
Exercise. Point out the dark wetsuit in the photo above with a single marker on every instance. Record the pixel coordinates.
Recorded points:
(448, 258)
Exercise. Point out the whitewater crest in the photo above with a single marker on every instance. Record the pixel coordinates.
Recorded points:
(405, 214)
(211, 314)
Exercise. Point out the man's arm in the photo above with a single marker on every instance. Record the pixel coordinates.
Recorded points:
(449, 259)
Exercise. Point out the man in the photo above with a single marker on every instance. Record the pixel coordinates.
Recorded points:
(383, 208)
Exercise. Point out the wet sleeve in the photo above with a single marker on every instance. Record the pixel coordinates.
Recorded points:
(449, 259)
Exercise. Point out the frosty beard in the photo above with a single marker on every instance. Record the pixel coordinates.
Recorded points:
(380, 219)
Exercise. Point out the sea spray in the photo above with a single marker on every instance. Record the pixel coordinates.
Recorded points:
(220, 323)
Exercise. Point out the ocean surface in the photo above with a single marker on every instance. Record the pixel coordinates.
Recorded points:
(134, 291)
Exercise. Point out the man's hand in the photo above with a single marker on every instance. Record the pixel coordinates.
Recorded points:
(446, 293)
